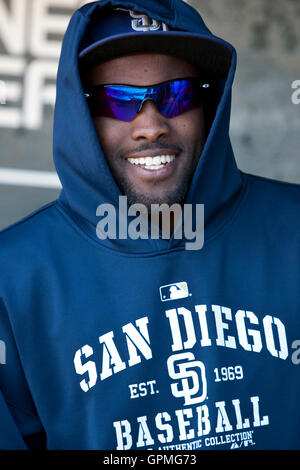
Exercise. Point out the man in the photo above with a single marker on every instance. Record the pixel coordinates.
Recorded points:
(116, 342)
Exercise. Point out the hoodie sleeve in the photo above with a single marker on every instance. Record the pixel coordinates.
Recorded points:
(20, 426)
(10, 435)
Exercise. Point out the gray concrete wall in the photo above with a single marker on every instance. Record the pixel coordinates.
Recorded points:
(265, 123)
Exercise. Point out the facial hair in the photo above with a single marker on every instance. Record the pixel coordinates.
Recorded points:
(176, 196)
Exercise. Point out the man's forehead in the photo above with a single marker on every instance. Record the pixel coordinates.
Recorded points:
(141, 69)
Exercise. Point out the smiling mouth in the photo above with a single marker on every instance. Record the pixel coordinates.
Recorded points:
(152, 163)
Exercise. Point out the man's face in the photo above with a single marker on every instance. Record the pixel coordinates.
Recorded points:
(150, 134)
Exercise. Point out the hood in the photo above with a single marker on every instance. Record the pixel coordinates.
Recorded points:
(80, 163)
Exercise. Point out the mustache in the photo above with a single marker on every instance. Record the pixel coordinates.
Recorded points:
(146, 146)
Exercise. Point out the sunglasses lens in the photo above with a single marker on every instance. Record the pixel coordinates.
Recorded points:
(177, 97)
(117, 102)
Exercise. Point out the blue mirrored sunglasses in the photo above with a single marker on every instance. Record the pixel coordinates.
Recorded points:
(123, 102)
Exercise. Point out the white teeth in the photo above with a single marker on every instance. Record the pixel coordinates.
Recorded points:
(152, 163)
(154, 167)
(149, 161)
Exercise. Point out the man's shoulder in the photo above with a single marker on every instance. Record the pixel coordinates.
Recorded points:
(265, 190)
(274, 204)
(28, 230)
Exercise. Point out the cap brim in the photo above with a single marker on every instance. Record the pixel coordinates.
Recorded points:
(212, 57)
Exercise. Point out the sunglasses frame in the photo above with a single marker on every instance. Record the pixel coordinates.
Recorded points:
(206, 85)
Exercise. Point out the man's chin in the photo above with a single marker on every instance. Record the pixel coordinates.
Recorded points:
(150, 200)
(170, 197)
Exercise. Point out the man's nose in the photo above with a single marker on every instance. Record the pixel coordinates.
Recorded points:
(149, 123)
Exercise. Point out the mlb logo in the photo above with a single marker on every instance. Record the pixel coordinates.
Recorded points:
(178, 290)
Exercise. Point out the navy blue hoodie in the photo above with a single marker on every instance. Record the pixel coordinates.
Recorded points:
(96, 352)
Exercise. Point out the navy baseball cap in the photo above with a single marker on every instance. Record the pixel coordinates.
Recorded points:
(117, 32)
